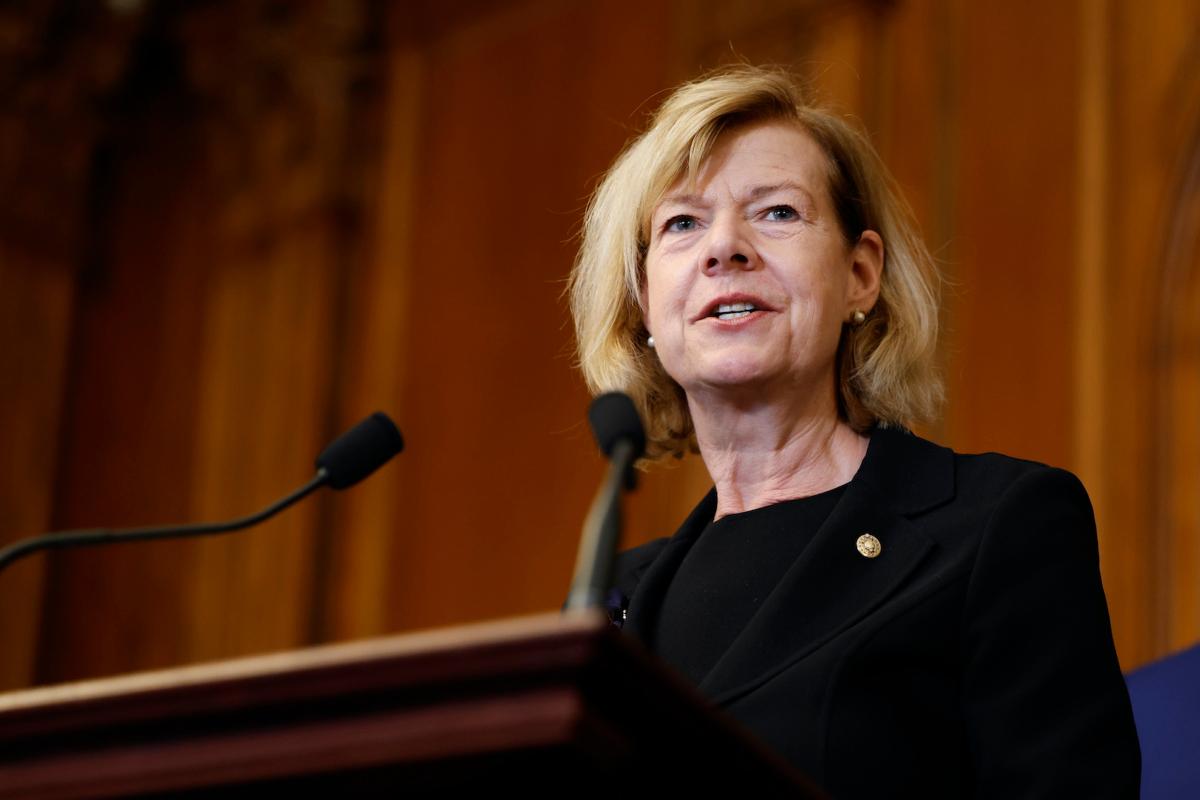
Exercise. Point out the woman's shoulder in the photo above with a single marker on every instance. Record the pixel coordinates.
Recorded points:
(1003, 512)
(997, 478)
(919, 475)
(632, 563)
(627, 571)
(984, 508)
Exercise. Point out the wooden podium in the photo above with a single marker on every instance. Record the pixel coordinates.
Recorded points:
(544, 706)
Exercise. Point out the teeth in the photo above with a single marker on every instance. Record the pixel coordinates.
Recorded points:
(734, 310)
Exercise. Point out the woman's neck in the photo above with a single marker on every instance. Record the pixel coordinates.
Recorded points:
(768, 453)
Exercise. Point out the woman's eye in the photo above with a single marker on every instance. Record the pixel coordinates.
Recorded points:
(679, 223)
(781, 213)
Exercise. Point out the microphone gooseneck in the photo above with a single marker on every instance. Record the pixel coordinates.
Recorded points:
(620, 435)
(351, 457)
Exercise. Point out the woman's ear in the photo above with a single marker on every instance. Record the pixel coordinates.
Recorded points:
(866, 272)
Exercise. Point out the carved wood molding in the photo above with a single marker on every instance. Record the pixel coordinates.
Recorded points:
(271, 86)
(277, 83)
(58, 63)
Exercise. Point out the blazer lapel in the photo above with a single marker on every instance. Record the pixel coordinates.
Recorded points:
(831, 585)
(828, 588)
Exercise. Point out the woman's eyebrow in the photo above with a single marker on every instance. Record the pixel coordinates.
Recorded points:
(757, 192)
(684, 200)
(761, 191)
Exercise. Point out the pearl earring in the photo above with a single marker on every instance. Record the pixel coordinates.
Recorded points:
(650, 342)
(858, 317)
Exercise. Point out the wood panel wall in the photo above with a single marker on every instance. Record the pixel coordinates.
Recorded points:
(239, 227)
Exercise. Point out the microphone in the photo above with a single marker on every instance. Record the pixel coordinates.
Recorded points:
(347, 460)
(618, 430)
(360, 451)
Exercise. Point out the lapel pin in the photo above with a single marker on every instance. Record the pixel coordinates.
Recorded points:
(869, 546)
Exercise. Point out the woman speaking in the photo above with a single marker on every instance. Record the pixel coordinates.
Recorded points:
(896, 619)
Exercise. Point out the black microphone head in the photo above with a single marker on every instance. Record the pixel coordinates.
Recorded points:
(613, 417)
(360, 451)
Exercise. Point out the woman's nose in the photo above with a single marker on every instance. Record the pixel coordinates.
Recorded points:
(728, 246)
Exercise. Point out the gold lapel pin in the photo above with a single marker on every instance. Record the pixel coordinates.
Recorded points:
(869, 546)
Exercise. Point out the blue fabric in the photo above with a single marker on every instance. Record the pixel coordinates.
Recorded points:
(1166, 708)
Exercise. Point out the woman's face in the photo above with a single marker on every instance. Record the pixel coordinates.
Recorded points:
(748, 275)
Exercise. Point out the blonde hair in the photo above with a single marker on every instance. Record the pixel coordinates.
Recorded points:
(885, 367)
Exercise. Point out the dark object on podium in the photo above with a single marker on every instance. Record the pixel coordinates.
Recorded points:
(545, 706)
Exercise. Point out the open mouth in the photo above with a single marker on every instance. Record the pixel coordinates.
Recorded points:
(727, 311)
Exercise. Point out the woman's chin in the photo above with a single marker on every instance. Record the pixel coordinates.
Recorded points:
(752, 376)
(735, 377)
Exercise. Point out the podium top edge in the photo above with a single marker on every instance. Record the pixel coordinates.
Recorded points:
(364, 652)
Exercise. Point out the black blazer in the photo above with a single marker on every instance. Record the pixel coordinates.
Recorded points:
(972, 657)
